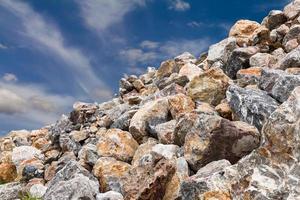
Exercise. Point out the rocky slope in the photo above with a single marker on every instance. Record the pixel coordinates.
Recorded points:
(223, 126)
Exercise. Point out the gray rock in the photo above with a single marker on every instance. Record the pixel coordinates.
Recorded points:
(293, 33)
(165, 132)
(251, 106)
(292, 10)
(123, 121)
(23, 153)
(278, 83)
(221, 51)
(72, 182)
(274, 19)
(11, 191)
(88, 154)
(38, 190)
(263, 60)
(239, 59)
(291, 59)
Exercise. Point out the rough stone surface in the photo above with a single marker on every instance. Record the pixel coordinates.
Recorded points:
(111, 195)
(251, 106)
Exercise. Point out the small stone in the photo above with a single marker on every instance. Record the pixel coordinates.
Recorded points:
(111, 195)
(224, 110)
(251, 106)
(118, 144)
(123, 121)
(142, 150)
(209, 87)
(78, 136)
(291, 59)
(243, 30)
(8, 172)
(30, 172)
(88, 154)
(292, 34)
(109, 172)
(138, 84)
(291, 45)
(38, 190)
(165, 132)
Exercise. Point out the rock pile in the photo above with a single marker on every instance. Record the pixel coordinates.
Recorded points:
(224, 126)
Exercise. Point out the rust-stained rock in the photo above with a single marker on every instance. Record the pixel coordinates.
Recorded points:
(109, 172)
(118, 144)
(179, 104)
(8, 172)
(166, 69)
(224, 110)
(209, 87)
(142, 150)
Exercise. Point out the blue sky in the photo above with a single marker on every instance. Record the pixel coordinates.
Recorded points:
(56, 52)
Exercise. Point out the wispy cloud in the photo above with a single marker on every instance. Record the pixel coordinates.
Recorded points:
(149, 44)
(2, 46)
(101, 14)
(9, 77)
(179, 5)
(48, 38)
(197, 24)
(163, 50)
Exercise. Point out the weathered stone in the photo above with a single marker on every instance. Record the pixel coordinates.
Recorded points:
(118, 144)
(291, 59)
(166, 69)
(263, 60)
(291, 45)
(294, 71)
(11, 191)
(8, 172)
(126, 85)
(23, 153)
(184, 58)
(243, 30)
(111, 195)
(274, 19)
(292, 10)
(20, 138)
(78, 136)
(72, 182)
(251, 106)
(37, 190)
(222, 139)
(209, 87)
(190, 70)
(67, 144)
(169, 151)
(138, 84)
(145, 119)
(224, 110)
(221, 51)
(123, 121)
(179, 104)
(148, 181)
(88, 154)
(278, 83)
(181, 80)
(109, 172)
(142, 150)
(248, 76)
(292, 34)
(165, 132)
(239, 59)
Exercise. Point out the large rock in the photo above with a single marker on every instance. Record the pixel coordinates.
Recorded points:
(179, 104)
(11, 191)
(8, 172)
(149, 180)
(239, 59)
(190, 70)
(292, 10)
(142, 150)
(291, 59)
(216, 138)
(221, 51)
(263, 60)
(243, 31)
(72, 182)
(274, 19)
(279, 84)
(109, 172)
(250, 105)
(209, 87)
(145, 119)
(166, 69)
(165, 132)
(118, 144)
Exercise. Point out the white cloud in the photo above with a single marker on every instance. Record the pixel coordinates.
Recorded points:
(8, 77)
(101, 14)
(147, 44)
(2, 46)
(31, 103)
(222, 25)
(195, 24)
(49, 39)
(179, 5)
(164, 50)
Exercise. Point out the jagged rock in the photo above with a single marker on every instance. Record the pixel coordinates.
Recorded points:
(145, 119)
(109, 172)
(294, 71)
(181, 173)
(263, 60)
(291, 45)
(190, 70)
(179, 104)
(24, 153)
(165, 132)
(292, 34)
(118, 144)
(72, 182)
(224, 110)
(221, 51)
(111, 195)
(167, 151)
(251, 106)
(184, 58)
(142, 150)
(209, 87)
(8, 172)
(78, 136)
(292, 10)
(248, 76)
(291, 59)
(166, 69)
(278, 83)
(88, 154)
(274, 19)
(148, 181)
(243, 31)
(222, 139)
(239, 59)
(11, 191)
(38, 190)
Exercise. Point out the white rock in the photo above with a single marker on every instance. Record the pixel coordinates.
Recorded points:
(38, 190)
(111, 195)
(23, 153)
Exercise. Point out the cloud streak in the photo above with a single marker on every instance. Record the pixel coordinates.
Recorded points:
(49, 39)
(179, 5)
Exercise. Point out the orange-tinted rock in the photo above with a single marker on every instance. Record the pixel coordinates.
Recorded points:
(216, 195)
(143, 149)
(8, 172)
(179, 104)
(224, 110)
(166, 69)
